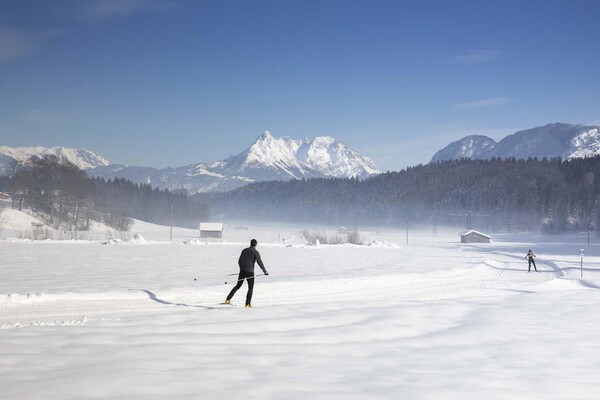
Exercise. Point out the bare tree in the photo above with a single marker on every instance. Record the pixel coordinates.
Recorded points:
(355, 237)
(14, 166)
(3, 218)
(118, 222)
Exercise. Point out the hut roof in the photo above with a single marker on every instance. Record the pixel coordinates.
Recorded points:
(467, 232)
(211, 226)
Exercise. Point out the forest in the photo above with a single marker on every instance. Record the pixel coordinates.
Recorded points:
(63, 196)
(547, 195)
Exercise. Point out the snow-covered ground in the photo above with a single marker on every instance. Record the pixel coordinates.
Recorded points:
(139, 318)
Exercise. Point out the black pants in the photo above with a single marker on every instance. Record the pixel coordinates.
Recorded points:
(248, 277)
(532, 261)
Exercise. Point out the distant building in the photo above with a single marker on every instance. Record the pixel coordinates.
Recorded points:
(211, 230)
(342, 231)
(4, 196)
(472, 236)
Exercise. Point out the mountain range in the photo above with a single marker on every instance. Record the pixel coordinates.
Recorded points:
(82, 158)
(562, 140)
(268, 158)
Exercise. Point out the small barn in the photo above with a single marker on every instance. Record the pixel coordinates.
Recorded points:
(472, 236)
(211, 230)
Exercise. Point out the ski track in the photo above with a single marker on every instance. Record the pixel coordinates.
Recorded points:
(422, 321)
(40, 309)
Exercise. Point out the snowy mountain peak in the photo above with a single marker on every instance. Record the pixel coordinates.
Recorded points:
(82, 158)
(269, 151)
(268, 158)
(586, 143)
(333, 157)
(324, 141)
(266, 135)
(552, 140)
(322, 155)
(473, 146)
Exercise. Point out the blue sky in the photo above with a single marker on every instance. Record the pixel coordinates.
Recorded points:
(172, 82)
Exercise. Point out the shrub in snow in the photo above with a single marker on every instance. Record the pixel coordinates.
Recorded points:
(39, 231)
(355, 237)
(316, 238)
(71, 235)
(137, 239)
(121, 235)
(194, 241)
(383, 244)
(112, 241)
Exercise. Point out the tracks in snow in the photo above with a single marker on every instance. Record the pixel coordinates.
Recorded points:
(75, 309)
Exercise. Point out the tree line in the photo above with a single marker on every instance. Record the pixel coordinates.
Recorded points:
(66, 198)
(549, 195)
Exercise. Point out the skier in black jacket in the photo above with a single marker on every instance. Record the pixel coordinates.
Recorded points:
(246, 263)
(530, 256)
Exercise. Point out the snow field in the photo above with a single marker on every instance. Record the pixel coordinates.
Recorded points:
(431, 320)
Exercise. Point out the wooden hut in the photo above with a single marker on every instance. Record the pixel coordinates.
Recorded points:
(472, 236)
(211, 230)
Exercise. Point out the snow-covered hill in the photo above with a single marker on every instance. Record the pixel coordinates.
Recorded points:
(474, 146)
(553, 140)
(82, 158)
(268, 158)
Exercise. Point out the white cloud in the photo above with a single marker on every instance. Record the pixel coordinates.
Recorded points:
(474, 57)
(17, 43)
(492, 101)
(102, 10)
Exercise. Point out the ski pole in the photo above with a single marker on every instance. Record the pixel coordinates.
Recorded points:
(236, 274)
(247, 278)
(213, 277)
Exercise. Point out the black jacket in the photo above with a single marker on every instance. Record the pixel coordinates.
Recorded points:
(247, 259)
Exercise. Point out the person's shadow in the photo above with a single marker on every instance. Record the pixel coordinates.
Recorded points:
(153, 297)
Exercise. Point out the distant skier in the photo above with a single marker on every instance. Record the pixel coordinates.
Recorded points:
(246, 263)
(530, 256)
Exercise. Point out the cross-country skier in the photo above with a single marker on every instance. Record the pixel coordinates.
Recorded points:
(246, 263)
(530, 256)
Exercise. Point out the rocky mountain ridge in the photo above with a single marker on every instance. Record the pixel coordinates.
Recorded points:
(268, 158)
(562, 140)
